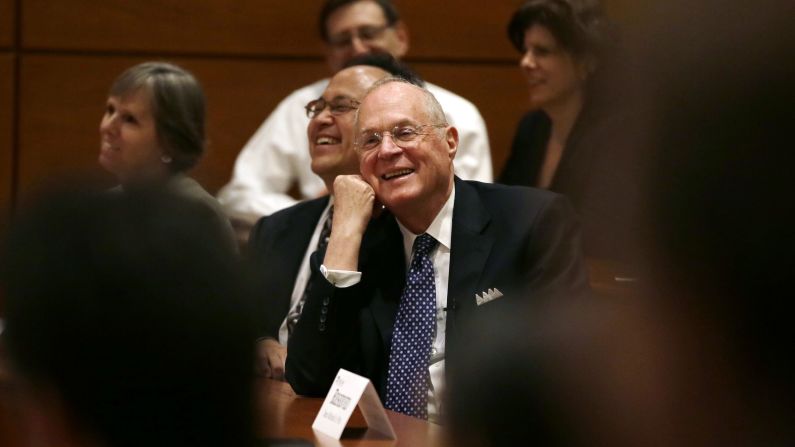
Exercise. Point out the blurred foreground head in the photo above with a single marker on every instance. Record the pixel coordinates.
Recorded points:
(568, 373)
(127, 322)
(704, 356)
(720, 112)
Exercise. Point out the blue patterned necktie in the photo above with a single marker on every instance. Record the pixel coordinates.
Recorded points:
(295, 313)
(412, 336)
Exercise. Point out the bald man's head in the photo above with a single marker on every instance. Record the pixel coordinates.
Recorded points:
(330, 130)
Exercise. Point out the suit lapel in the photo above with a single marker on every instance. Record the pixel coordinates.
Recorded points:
(296, 232)
(290, 242)
(470, 249)
(388, 266)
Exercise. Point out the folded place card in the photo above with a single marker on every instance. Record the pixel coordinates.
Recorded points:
(348, 391)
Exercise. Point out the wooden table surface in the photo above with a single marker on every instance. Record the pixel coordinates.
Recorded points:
(283, 414)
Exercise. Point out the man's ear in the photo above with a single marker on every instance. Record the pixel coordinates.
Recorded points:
(451, 137)
(402, 35)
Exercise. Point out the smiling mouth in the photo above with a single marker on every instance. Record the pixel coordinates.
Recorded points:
(396, 174)
(321, 141)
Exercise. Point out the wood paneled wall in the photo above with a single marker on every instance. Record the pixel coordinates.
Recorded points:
(253, 27)
(248, 54)
(6, 128)
(7, 22)
(7, 33)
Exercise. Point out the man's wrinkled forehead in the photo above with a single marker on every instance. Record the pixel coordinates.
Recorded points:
(390, 104)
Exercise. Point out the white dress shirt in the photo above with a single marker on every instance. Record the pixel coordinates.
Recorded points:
(441, 229)
(277, 155)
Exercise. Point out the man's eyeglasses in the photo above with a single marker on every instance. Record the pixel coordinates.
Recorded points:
(366, 33)
(337, 106)
(404, 136)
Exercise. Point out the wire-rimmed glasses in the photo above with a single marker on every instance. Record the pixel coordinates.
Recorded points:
(403, 135)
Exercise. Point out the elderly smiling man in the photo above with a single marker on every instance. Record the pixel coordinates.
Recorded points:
(397, 281)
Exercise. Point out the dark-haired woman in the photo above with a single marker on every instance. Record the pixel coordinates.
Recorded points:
(571, 142)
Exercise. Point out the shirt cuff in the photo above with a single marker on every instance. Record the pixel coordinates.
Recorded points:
(341, 278)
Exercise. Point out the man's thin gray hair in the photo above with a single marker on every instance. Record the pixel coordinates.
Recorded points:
(432, 107)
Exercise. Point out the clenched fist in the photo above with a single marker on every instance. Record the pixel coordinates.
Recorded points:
(353, 207)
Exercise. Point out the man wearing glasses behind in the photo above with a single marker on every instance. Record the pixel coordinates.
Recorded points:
(277, 155)
(282, 243)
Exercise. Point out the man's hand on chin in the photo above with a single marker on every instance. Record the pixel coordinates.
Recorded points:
(353, 207)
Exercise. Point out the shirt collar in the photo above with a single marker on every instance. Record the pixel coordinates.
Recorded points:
(328, 207)
(440, 229)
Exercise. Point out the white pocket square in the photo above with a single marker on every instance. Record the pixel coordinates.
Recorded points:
(488, 295)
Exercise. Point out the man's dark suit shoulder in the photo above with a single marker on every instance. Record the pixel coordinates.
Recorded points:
(262, 230)
(276, 248)
(535, 237)
(496, 195)
(519, 206)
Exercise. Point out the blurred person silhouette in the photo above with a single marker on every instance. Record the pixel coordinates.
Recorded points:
(127, 323)
(564, 373)
(720, 110)
(702, 357)
(573, 141)
(152, 132)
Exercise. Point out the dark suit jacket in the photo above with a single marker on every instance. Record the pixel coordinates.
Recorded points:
(276, 248)
(523, 241)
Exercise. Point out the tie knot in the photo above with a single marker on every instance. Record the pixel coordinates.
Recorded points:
(424, 244)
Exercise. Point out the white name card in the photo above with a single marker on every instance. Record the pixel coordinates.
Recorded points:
(348, 391)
